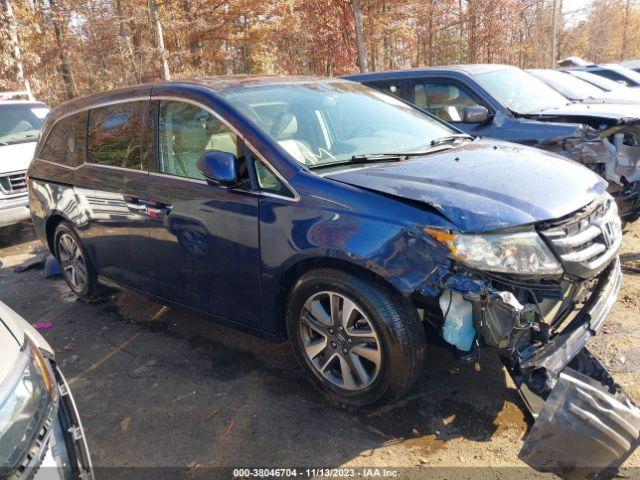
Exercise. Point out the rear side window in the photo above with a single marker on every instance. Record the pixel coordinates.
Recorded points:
(115, 135)
(67, 140)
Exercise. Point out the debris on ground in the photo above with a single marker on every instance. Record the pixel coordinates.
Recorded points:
(124, 424)
(214, 412)
(43, 325)
(232, 424)
(52, 267)
(36, 262)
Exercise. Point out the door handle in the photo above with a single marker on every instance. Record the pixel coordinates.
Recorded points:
(158, 210)
(135, 204)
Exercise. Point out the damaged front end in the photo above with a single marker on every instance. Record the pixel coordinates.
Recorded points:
(612, 151)
(585, 425)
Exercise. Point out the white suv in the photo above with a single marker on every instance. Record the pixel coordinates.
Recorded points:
(20, 124)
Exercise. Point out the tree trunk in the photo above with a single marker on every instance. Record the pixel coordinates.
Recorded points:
(65, 64)
(125, 41)
(625, 30)
(472, 37)
(15, 44)
(357, 20)
(430, 52)
(157, 30)
(554, 31)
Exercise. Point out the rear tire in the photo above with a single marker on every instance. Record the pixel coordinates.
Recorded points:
(359, 342)
(77, 269)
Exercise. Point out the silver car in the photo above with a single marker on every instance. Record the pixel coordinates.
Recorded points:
(41, 436)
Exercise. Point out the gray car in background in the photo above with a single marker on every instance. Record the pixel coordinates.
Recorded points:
(41, 436)
(580, 90)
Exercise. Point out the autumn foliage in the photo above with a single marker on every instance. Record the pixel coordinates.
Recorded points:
(73, 47)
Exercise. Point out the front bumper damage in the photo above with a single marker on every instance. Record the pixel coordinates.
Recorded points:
(585, 425)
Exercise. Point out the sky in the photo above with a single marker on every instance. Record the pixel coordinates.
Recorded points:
(575, 10)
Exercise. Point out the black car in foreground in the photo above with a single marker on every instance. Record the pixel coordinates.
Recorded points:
(506, 103)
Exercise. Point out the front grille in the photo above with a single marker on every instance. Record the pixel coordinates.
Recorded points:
(588, 240)
(13, 183)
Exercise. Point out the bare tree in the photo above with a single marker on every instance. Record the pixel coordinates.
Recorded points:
(15, 44)
(65, 64)
(357, 20)
(157, 29)
(125, 41)
(625, 30)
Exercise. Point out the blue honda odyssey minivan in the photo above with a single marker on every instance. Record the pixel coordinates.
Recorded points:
(342, 219)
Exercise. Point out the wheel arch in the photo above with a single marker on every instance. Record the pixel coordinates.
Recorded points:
(303, 266)
(51, 224)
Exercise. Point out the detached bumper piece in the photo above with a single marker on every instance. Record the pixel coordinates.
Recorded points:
(586, 429)
(586, 426)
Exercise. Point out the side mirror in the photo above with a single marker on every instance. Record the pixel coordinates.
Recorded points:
(219, 167)
(475, 114)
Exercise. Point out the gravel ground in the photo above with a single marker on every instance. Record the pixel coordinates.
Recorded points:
(161, 387)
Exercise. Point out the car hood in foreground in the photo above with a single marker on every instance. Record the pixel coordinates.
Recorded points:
(16, 157)
(13, 329)
(485, 185)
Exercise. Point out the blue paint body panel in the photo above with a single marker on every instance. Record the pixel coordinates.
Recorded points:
(232, 253)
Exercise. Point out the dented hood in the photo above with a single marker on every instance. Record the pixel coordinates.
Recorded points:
(609, 112)
(485, 184)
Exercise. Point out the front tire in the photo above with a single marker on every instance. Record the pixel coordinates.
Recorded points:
(76, 266)
(359, 342)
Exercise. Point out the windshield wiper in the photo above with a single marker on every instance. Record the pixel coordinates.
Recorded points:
(369, 158)
(450, 138)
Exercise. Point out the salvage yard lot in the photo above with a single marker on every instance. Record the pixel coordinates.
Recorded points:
(160, 387)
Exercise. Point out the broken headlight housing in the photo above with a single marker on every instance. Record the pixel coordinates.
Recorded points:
(512, 253)
(27, 397)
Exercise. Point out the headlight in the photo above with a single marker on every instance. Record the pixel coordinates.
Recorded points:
(518, 253)
(27, 397)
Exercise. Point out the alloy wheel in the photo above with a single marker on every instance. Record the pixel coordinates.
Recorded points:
(340, 341)
(74, 266)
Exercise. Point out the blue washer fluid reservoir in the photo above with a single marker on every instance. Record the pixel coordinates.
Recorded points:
(458, 320)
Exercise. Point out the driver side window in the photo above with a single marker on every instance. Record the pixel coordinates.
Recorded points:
(442, 99)
(186, 131)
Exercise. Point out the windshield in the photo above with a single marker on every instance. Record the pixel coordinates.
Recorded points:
(598, 81)
(632, 76)
(325, 122)
(570, 87)
(519, 91)
(21, 122)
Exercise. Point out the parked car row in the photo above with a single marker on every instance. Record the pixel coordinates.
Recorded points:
(507, 103)
(351, 220)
